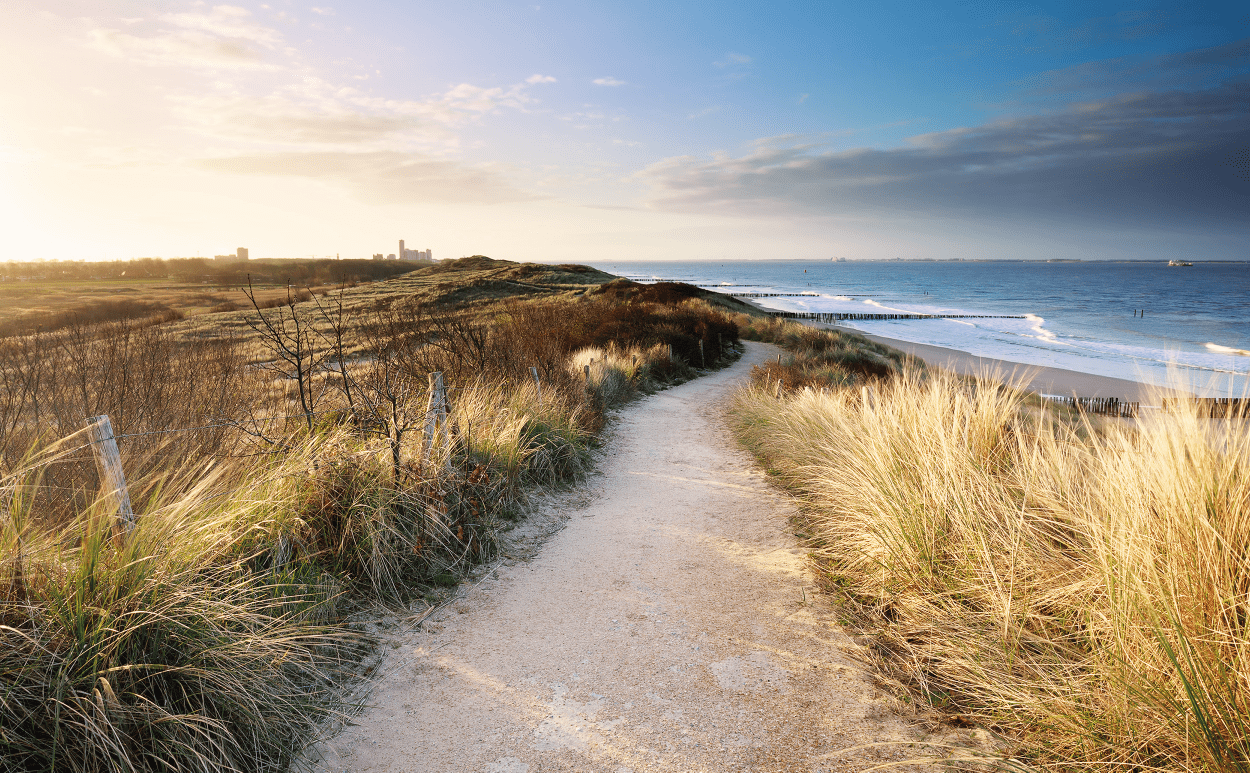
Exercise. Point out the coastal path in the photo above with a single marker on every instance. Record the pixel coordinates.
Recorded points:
(669, 625)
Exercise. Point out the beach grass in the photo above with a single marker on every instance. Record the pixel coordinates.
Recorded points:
(1080, 589)
(216, 634)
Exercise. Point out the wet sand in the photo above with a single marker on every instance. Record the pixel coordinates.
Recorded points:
(1035, 378)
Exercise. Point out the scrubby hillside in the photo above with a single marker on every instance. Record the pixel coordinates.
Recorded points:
(284, 467)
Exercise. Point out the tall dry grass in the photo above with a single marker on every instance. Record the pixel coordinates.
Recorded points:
(1083, 590)
(211, 637)
(181, 644)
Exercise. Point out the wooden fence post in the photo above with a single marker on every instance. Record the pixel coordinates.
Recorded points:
(670, 352)
(537, 384)
(702, 358)
(109, 463)
(436, 416)
(586, 368)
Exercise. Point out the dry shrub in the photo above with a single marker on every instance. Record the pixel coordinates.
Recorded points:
(204, 639)
(1083, 590)
(818, 358)
(143, 378)
(97, 312)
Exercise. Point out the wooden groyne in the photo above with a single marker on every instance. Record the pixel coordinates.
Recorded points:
(774, 295)
(824, 316)
(1103, 406)
(1211, 407)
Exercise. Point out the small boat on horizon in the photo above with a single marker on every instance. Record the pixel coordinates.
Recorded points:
(1179, 263)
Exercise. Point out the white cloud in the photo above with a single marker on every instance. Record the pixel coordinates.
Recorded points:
(1134, 160)
(295, 123)
(608, 81)
(731, 59)
(317, 112)
(225, 37)
(322, 11)
(226, 21)
(382, 177)
(181, 48)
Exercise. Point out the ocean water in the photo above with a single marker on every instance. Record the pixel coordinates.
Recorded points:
(1080, 316)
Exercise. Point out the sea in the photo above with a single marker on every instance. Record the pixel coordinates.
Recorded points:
(1143, 320)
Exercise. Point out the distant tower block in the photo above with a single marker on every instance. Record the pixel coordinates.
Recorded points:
(241, 253)
(402, 254)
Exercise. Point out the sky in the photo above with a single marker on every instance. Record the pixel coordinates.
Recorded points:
(604, 131)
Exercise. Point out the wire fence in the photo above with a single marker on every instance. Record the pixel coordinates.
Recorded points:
(106, 454)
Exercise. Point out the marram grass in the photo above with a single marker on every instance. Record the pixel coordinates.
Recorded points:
(1084, 591)
(210, 637)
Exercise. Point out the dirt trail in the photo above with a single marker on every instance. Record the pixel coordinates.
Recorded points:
(669, 626)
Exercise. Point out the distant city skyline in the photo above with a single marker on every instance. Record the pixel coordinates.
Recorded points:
(609, 131)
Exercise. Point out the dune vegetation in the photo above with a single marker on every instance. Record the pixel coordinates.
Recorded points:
(1080, 587)
(54, 295)
(283, 482)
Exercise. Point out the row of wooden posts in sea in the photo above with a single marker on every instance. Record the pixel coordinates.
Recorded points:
(1205, 407)
(1211, 407)
(1105, 406)
(834, 316)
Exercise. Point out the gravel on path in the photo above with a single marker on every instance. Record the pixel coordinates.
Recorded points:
(671, 625)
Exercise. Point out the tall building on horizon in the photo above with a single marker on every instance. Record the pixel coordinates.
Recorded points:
(407, 254)
(241, 253)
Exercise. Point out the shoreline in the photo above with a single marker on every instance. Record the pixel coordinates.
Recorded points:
(1033, 378)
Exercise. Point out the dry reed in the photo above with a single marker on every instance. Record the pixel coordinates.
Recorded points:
(1083, 590)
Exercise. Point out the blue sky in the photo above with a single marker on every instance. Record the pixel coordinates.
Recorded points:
(559, 131)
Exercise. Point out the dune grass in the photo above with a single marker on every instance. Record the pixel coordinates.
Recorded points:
(181, 643)
(1083, 590)
(214, 635)
(208, 637)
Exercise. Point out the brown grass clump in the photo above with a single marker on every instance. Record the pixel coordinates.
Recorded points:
(92, 313)
(1085, 592)
(817, 358)
(277, 480)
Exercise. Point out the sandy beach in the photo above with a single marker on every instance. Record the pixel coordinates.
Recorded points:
(1035, 378)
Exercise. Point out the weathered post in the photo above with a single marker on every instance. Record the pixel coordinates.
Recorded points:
(108, 460)
(436, 416)
(670, 352)
(538, 385)
(587, 369)
(779, 382)
(867, 396)
(702, 359)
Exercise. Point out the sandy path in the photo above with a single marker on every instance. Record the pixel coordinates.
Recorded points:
(670, 625)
